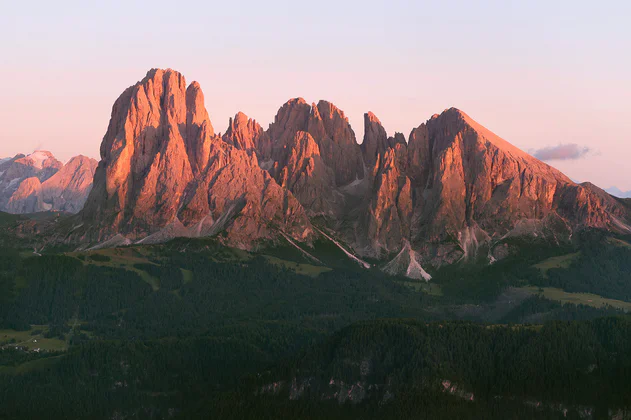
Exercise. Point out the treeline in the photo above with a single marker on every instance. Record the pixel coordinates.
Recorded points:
(483, 282)
(536, 310)
(603, 268)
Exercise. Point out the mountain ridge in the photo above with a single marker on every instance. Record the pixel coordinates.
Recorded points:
(453, 191)
(39, 182)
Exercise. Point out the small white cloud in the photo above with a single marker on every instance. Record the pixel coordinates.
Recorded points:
(570, 151)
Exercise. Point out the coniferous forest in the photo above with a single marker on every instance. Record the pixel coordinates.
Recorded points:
(212, 332)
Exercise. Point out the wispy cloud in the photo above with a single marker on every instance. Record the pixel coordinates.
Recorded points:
(569, 151)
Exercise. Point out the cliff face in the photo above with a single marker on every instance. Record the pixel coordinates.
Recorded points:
(312, 151)
(452, 191)
(164, 173)
(39, 182)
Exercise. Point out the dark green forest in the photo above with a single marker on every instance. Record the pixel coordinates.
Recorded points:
(190, 329)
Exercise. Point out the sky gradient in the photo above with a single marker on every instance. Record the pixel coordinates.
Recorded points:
(539, 74)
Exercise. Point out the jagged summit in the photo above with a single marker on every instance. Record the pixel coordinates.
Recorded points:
(449, 193)
(456, 116)
(246, 134)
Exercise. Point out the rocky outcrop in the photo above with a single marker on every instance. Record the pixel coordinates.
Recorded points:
(39, 182)
(163, 170)
(246, 134)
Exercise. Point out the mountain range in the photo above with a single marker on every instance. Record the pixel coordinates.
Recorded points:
(39, 182)
(617, 192)
(452, 191)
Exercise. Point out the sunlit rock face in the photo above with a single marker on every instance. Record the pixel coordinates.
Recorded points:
(312, 151)
(455, 188)
(452, 191)
(163, 167)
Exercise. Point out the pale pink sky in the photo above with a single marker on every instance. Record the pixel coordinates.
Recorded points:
(538, 75)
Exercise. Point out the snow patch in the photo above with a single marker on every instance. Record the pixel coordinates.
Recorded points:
(351, 256)
(38, 158)
(407, 261)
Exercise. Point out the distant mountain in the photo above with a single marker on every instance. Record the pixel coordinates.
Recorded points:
(454, 191)
(615, 191)
(39, 182)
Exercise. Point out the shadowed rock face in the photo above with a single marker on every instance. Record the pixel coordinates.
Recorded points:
(39, 182)
(452, 191)
(162, 167)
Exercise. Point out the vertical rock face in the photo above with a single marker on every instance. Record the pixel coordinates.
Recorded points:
(39, 182)
(334, 159)
(375, 141)
(303, 171)
(330, 128)
(163, 167)
(389, 210)
(199, 130)
(145, 153)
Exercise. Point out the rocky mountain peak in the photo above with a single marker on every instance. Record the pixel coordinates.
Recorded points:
(40, 159)
(245, 133)
(164, 172)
